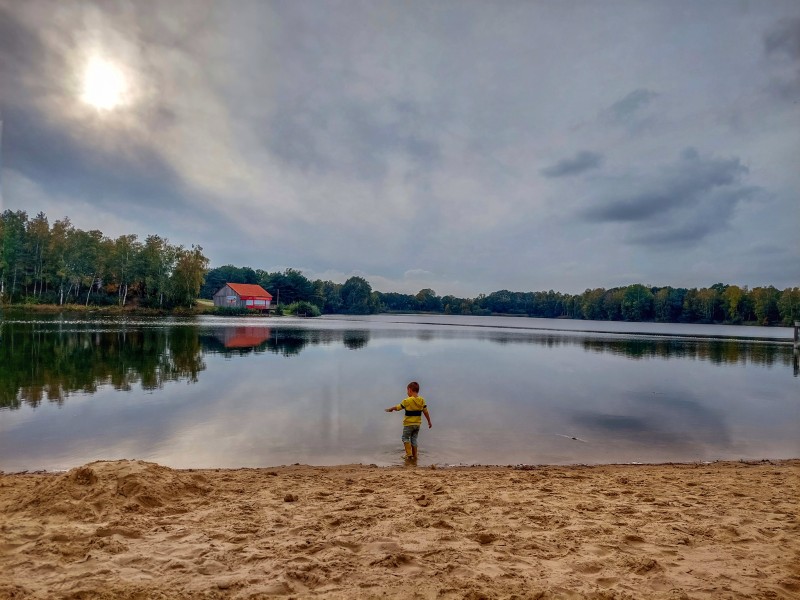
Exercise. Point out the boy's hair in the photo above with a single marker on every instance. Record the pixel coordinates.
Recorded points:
(414, 387)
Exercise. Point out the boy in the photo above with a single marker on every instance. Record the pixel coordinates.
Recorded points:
(414, 406)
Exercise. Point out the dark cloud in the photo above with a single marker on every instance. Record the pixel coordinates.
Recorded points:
(641, 207)
(784, 39)
(61, 162)
(21, 53)
(630, 106)
(682, 234)
(300, 135)
(712, 214)
(684, 202)
(582, 161)
(677, 185)
(782, 47)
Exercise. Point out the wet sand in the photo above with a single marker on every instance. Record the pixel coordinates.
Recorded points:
(130, 529)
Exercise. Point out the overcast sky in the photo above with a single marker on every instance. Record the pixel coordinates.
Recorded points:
(463, 146)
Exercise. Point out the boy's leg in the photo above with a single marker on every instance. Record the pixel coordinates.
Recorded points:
(407, 440)
(414, 435)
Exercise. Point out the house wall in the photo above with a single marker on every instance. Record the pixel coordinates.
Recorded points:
(227, 297)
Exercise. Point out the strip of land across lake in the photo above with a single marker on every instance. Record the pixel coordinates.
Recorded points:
(132, 529)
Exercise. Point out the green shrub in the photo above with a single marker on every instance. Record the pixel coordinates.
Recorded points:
(302, 308)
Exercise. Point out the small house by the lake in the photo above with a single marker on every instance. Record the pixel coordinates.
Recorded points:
(243, 295)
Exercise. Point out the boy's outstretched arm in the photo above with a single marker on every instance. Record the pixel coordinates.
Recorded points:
(427, 416)
(392, 409)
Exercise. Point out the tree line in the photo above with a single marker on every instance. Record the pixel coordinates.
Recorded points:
(61, 264)
(719, 303)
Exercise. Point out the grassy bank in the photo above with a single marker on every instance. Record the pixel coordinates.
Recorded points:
(203, 307)
(200, 309)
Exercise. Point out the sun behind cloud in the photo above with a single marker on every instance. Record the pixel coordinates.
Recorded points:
(104, 85)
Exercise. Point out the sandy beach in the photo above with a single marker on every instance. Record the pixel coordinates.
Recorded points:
(131, 529)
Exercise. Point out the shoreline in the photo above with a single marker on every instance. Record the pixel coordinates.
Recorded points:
(633, 334)
(132, 529)
(204, 309)
(433, 466)
(113, 310)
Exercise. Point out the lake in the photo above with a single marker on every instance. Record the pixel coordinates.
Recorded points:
(249, 392)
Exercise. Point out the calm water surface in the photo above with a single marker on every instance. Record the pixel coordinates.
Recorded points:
(216, 392)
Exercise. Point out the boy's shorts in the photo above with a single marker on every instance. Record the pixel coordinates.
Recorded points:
(410, 433)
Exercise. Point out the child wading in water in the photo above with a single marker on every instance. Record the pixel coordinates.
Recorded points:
(414, 406)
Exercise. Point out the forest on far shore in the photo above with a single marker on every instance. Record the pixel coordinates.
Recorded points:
(60, 264)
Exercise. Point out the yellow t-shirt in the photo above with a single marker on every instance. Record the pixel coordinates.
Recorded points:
(413, 405)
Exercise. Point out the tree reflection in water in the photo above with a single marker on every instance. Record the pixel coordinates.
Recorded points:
(53, 360)
(285, 341)
(716, 351)
(38, 363)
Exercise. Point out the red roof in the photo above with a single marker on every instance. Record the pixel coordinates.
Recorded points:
(249, 290)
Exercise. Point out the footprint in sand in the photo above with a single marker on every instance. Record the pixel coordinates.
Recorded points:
(392, 560)
(484, 538)
(606, 582)
(588, 567)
